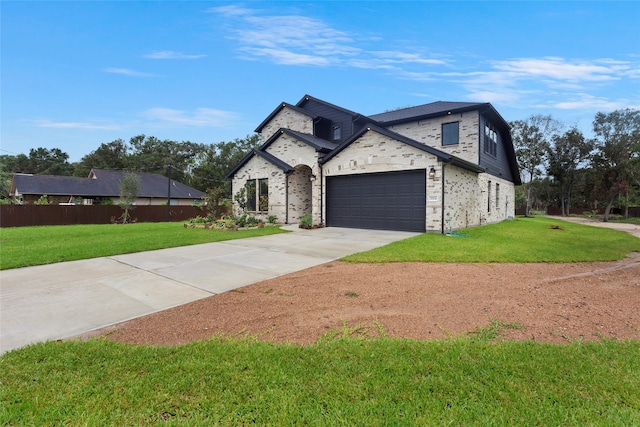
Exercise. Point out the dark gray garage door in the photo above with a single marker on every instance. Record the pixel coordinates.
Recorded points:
(379, 201)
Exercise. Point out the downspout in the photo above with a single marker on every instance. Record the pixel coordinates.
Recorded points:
(321, 196)
(286, 199)
(443, 193)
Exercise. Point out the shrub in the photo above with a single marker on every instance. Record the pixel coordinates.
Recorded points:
(271, 219)
(306, 221)
(241, 221)
(252, 221)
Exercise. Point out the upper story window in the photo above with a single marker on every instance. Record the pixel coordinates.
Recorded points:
(337, 132)
(450, 133)
(490, 139)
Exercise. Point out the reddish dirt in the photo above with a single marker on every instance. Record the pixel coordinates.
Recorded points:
(555, 303)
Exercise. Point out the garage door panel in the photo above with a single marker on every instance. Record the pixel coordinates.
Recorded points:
(387, 201)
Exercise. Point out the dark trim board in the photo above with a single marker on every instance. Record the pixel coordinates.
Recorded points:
(378, 201)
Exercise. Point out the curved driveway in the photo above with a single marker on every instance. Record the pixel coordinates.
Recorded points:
(67, 299)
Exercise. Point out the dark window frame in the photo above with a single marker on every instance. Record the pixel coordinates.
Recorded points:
(449, 137)
(490, 140)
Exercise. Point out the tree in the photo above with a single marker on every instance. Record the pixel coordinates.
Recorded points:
(531, 138)
(150, 154)
(129, 187)
(112, 155)
(215, 161)
(565, 155)
(617, 141)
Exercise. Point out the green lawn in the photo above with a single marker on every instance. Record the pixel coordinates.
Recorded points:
(521, 240)
(476, 379)
(25, 246)
(343, 381)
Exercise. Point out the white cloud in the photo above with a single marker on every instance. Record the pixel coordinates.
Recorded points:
(75, 125)
(561, 69)
(127, 72)
(589, 102)
(169, 54)
(201, 117)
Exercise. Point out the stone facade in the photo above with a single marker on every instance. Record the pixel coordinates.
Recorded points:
(429, 132)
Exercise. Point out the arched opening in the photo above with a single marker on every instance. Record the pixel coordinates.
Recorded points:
(299, 193)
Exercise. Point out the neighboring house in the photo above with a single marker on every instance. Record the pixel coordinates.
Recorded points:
(102, 185)
(434, 167)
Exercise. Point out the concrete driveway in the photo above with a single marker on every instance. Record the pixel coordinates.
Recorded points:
(68, 299)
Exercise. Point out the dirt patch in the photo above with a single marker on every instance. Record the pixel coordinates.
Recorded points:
(554, 303)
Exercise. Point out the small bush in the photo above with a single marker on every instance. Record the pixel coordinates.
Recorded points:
(252, 221)
(306, 221)
(271, 219)
(241, 221)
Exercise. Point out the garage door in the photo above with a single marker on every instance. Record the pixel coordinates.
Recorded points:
(380, 201)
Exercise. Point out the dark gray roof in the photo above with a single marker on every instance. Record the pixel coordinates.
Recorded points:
(433, 109)
(318, 143)
(102, 183)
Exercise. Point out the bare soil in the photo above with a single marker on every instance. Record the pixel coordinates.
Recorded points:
(555, 303)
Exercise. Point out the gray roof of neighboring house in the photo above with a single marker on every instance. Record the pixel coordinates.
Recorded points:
(101, 183)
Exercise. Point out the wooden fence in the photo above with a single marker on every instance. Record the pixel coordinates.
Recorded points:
(27, 215)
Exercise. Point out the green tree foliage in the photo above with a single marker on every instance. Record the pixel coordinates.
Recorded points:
(617, 141)
(150, 154)
(565, 155)
(531, 139)
(217, 160)
(112, 155)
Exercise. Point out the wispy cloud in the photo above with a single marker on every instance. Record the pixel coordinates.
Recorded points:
(562, 69)
(44, 123)
(127, 72)
(301, 40)
(169, 54)
(201, 117)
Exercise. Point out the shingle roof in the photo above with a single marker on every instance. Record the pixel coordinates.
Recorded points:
(102, 183)
(425, 110)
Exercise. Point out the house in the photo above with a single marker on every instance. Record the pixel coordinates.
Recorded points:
(102, 185)
(431, 168)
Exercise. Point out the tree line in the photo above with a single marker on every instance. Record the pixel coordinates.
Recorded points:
(201, 166)
(560, 167)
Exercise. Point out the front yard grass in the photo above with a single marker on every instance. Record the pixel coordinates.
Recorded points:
(26, 246)
(342, 381)
(538, 239)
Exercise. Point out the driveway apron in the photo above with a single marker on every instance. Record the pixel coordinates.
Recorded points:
(67, 299)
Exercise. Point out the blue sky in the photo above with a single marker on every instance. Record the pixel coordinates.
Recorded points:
(78, 74)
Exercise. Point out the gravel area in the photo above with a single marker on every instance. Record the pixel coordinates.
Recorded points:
(555, 303)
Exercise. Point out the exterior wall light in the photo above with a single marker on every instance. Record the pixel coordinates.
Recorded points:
(313, 177)
(432, 173)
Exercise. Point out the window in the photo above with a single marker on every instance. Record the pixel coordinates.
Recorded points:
(450, 133)
(497, 196)
(251, 195)
(490, 139)
(257, 195)
(263, 200)
(337, 132)
(489, 197)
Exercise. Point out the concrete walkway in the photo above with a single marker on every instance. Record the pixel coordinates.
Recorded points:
(68, 299)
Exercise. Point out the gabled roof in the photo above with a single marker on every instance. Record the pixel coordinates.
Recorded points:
(441, 155)
(318, 143)
(285, 167)
(424, 111)
(277, 110)
(101, 183)
(308, 98)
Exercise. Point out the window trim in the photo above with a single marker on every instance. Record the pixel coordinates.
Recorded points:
(446, 136)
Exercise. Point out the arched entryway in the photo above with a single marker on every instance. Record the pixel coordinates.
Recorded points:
(299, 194)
